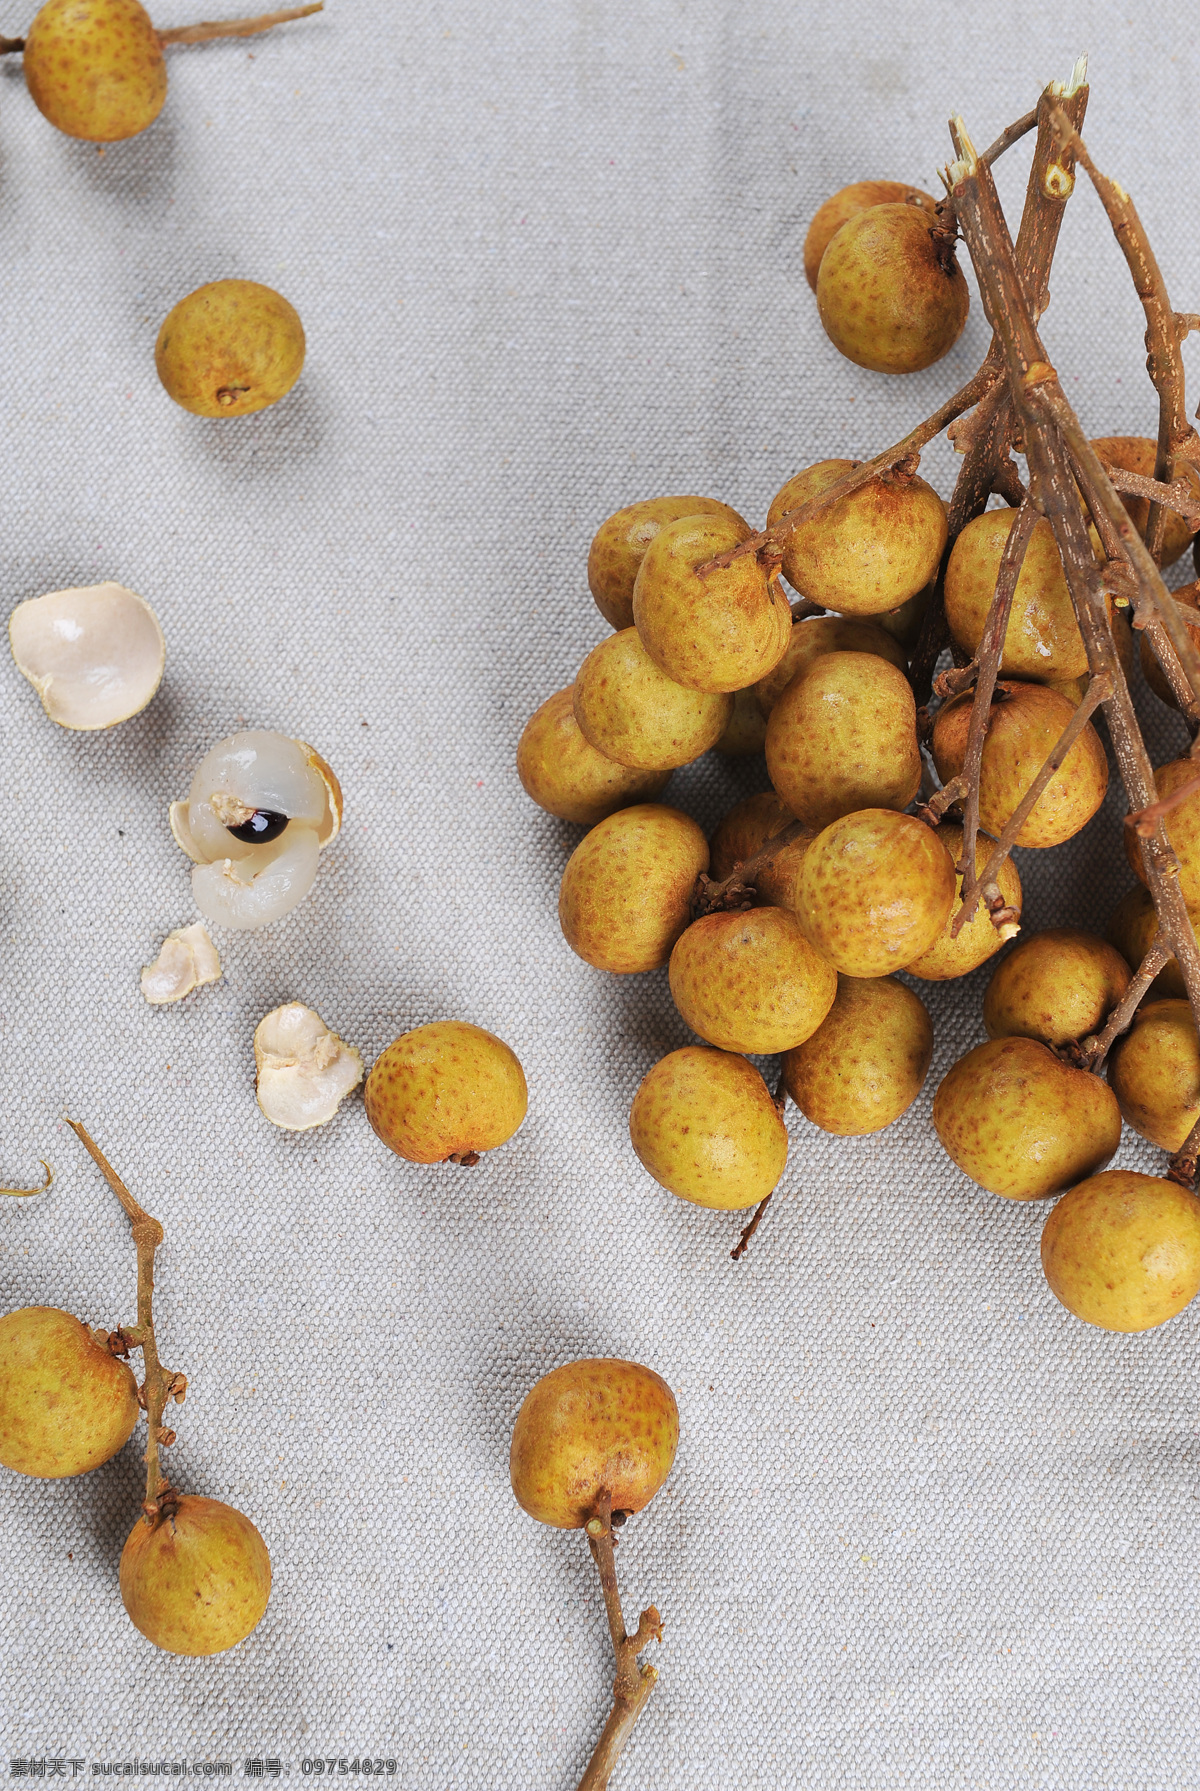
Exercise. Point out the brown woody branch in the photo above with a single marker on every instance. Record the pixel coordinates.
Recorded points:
(1095, 1053)
(633, 1684)
(208, 29)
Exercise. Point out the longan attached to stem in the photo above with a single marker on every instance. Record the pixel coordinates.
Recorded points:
(160, 1384)
(1051, 428)
(633, 1683)
(1121, 1017)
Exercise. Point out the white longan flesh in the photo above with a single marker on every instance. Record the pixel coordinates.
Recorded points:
(262, 884)
(262, 770)
(304, 1070)
(94, 654)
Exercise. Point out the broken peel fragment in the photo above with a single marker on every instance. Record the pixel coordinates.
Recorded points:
(304, 1070)
(186, 959)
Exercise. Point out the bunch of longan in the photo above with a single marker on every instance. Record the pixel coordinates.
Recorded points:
(783, 934)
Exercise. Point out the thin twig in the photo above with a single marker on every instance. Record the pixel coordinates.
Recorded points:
(160, 1384)
(1179, 496)
(771, 542)
(26, 1193)
(1122, 1015)
(1098, 691)
(9, 46)
(736, 891)
(989, 654)
(633, 1683)
(1008, 137)
(1164, 361)
(1050, 428)
(1145, 821)
(748, 1231)
(209, 29)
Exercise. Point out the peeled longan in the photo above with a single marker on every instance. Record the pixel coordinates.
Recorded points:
(845, 204)
(230, 348)
(869, 552)
(95, 68)
(891, 295)
(619, 546)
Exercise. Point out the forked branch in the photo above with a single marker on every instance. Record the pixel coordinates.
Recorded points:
(633, 1683)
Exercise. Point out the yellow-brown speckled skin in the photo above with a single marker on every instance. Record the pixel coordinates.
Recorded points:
(1138, 454)
(1042, 641)
(66, 1404)
(867, 1062)
(1182, 827)
(1022, 1123)
(843, 736)
(1023, 730)
(874, 890)
(632, 712)
(1122, 1250)
(846, 203)
(751, 982)
(620, 543)
(230, 348)
(706, 1128)
(886, 301)
(904, 623)
(589, 1428)
(95, 68)
(1132, 930)
(1056, 986)
(826, 634)
(626, 893)
(1155, 1073)
(724, 631)
(198, 1581)
(869, 552)
(979, 940)
(445, 1089)
(745, 732)
(569, 778)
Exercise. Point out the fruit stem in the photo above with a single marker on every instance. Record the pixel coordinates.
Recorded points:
(633, 1683)
(1122, 1014)
(207, 30)
(1164, 361)
(748, 1231)
(24, 1193)
(1054, 439)
(9, 46)
(736, 891)
(159, 1383)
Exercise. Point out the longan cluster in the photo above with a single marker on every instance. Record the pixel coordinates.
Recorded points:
(783, 934)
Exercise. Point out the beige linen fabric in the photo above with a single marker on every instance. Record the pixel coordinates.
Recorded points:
(925, 1529)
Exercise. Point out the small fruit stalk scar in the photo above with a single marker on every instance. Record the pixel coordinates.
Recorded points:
(95, 68)
(592, 1444)
(195, 1575)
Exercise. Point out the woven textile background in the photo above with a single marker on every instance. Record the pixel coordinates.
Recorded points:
(925, 1529)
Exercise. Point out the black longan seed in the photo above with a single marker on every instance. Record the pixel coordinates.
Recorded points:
(263, 826)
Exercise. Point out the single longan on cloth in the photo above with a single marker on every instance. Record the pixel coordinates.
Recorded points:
(1122, 1250)
(196, 1580)
(444, 1092)
(590, 1428)
(95, 68)
(627, 890)
(230, 348)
